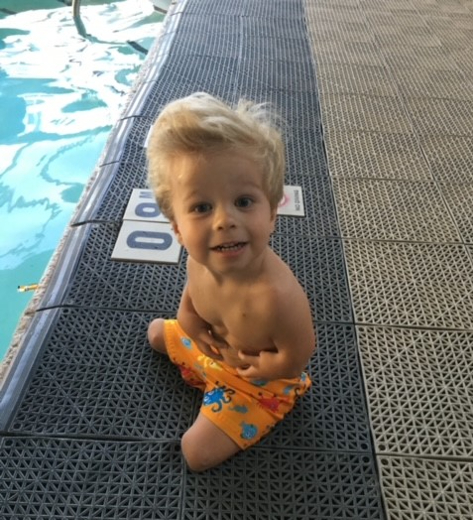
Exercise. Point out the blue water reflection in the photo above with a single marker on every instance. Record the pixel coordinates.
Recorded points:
(60, 94)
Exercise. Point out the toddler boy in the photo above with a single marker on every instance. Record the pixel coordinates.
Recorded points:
(244, 331)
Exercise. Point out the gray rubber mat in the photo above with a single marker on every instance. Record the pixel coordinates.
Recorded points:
(450, 158)
(94, 431)
(60, 478)
(108, 200)
(441, 116)
(417, 285)
(373, 155)
(350, 53)
(95, 281)
(419, 390)
(82, 385)
(459, 198)
(355, 79)
(396, 98)
(353, 112)
(416, 488)
(394, 210)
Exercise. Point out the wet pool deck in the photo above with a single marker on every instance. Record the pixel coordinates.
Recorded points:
(378, 96)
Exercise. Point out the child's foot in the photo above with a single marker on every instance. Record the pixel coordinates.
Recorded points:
(156, 335)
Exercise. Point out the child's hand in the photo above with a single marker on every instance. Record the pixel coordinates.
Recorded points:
(209, 345)
(267, 364)
(252, 365)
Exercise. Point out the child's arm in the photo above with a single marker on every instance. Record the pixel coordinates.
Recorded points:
(198, 329)
(294, 343)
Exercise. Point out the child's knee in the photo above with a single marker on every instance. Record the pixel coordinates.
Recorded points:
(205, 446)
(197, 457)
(156, 335)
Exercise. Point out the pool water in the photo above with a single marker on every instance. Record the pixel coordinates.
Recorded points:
(60, 94)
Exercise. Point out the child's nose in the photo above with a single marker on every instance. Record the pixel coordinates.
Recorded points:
(224, 218)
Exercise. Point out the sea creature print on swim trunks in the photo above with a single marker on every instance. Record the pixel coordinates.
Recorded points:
(217, 397)
(248, 431)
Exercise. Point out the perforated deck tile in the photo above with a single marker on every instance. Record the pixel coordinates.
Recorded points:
(424, 285)
(277, 9)
(289, 76)
(355, 79)
(107, 201)
(162, 90)
(418, 58)
(373, 113)
(273, 48)
(286, 485)
(96, 376)
(106, 382)
(378, 18)
(53, 479)
(375, 155)
(440, 116)
(319, 266)
(393, 210)
(300, 111)
(434, 489)
(464, 60)
(59, 478)
(459, 198)
(207, 43)
(305, 154)
(349, 53)
(457, 39)
(450, 158)
(419, 390)
(388, 37)
(208, 73)
(395, 6)
(95, 281)
(425, 83)
(333, 415)
(343, 31)
(320, 214)
(321, 12)
(279, 28)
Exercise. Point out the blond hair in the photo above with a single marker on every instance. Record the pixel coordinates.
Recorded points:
(201, 124)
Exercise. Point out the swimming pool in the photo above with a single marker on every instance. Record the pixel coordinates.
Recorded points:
(60, 94)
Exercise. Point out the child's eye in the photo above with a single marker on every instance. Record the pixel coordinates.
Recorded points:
(243, 202)
(201, 208)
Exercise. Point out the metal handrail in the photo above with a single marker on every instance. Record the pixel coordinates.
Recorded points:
(77, 20)
(76, 8)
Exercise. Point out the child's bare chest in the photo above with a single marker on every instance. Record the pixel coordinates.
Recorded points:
(237, 316)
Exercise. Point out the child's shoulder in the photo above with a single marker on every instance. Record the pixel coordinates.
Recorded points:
(281, 288)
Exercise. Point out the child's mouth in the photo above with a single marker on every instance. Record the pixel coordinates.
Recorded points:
(230, 247)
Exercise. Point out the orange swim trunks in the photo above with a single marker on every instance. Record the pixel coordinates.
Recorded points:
(245, 410)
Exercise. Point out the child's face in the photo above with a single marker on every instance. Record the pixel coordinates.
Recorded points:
(222, 215)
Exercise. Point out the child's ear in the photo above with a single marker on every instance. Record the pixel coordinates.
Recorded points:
(274, 214)
(175, 228)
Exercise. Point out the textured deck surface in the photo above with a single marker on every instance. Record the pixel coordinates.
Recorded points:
(378, 97)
